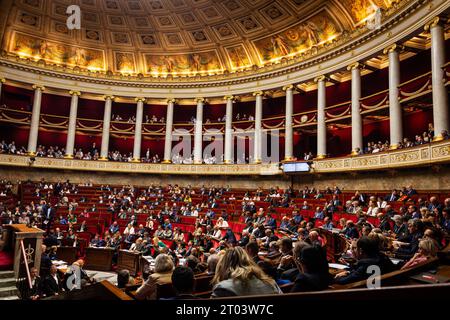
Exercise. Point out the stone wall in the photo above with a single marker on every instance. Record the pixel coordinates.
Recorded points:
(137, 179)
(428, 178)
(436, 178)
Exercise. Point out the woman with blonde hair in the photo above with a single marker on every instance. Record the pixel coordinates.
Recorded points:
(162, 275)
(427, 250)
(238, 275)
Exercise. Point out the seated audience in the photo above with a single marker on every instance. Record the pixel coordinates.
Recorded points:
(313, 269)
(162, 275)
(237, 275)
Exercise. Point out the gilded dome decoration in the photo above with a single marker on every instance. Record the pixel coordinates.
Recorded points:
(182, 37)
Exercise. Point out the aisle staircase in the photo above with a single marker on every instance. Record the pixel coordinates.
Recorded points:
(8, 289)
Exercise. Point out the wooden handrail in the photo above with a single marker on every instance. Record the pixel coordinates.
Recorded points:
(391, 276)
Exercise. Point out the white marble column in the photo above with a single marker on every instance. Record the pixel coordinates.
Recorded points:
(257, 143)
(357, 133)
(440, 95)
(169, 128)
(138, 129)
(106, 127)
(288, 124)
(321, 124)
(228, 153)
(71, 131)
(35, 117)
(395, 109)
(198, 132)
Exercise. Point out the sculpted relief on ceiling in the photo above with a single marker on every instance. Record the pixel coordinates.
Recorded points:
(180, 37)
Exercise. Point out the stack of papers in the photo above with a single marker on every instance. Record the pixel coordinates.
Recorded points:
(59, 262)
(338, 266)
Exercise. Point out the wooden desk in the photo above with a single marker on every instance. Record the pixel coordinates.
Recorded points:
(67, 254)
(99, 259)
(129, 260)
(32, 245)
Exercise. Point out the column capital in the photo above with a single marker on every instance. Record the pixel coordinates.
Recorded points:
(199, 99)
(171, 100)
(320, 78)
(392, 48)
(229, 97)
(139, 99)
(288, 87)
(258, 93)
(356, 65)
(108, 97)
(2, 80)
(437, 21)
(38, 86)
(74, 93)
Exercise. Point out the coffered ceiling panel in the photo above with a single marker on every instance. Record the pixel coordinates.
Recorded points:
(180, 37)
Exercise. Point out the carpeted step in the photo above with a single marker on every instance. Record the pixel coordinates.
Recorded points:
(6, 274)
(14, 297)
(7, 282)
(8, 291)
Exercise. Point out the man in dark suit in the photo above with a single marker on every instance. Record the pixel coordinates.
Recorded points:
(46, 263)
(384, 225)
(51, 285)
(350, 230)
(410, 243)
(270, 222)
(360, 197)
(48, 214)
(33, 293)
(410, 191)
(244, 239)
(114, 227)
(229, 237)
(252, 250)
(392, 197)
(183, 282)
(367, 254)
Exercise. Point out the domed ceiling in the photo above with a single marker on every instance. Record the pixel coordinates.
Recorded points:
(179, 37)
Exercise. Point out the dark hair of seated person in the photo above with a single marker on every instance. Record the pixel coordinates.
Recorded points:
(252, 247)
(368, 246)
(123, 277)
(313, 267)
(183, 280)
(192, 262)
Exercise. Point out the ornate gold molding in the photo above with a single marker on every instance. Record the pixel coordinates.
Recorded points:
(2, 80)
(38, 86)
(229, 97)
(424, 155)
(171, 100)
(288, 87)
(110, 97)
(437, 21)
(344, 44)
(199, 99)
(74, 93)
(392, 48)
(356, 65)
(258, 93)
(139, 99)
(320, 78)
